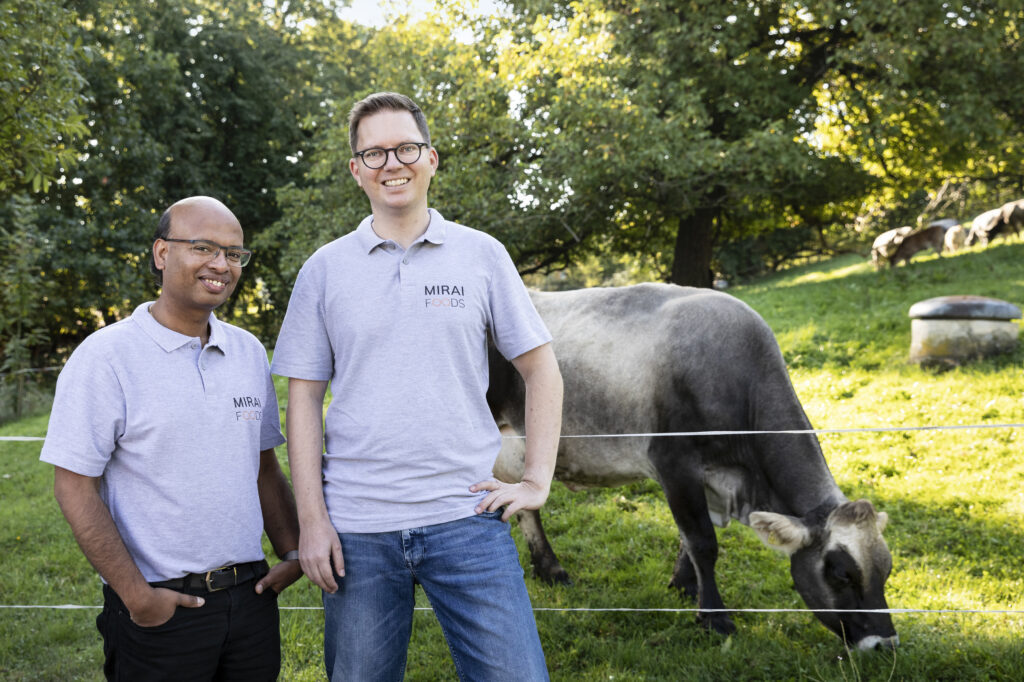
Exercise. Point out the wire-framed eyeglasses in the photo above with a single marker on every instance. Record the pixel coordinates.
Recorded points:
(207, 250)
(377, 157)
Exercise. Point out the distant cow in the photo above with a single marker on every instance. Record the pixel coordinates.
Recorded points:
(657, 358)
(954, 238)
(918, 240)
(1007, 218)
(885, 245)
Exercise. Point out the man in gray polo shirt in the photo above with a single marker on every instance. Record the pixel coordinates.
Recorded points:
(162, 434)
(396, 316)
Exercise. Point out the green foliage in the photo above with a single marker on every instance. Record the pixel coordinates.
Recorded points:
(24, 290)
(916, 100)
(682, 126)
(679, 133)
(746, 257)
(178, 98)
(466, 104)
(41, 99)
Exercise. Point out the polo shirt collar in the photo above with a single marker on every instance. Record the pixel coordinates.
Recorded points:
(218, 336)
(170, 340)
(437, 230)
(368, 239)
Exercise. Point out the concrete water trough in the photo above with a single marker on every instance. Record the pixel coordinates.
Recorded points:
(952, 330)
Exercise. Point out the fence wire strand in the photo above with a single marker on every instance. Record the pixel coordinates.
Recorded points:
(665, 434)
(594, 609)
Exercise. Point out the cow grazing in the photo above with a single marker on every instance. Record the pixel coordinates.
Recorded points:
(918, 240)
(658, 358)
(1007, 218)
(885, 245)
(984, 227)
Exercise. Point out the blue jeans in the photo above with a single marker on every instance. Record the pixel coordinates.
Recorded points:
(470, 572)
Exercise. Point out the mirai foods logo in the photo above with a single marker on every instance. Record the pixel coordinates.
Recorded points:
(248, 408)
(444, 296)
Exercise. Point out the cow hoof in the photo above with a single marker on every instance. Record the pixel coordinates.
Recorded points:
(718, 623)
(554, 577)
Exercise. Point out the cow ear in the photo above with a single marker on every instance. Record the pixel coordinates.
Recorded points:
(881, 521)
(785, 534)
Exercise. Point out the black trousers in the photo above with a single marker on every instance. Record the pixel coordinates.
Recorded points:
(234, 636)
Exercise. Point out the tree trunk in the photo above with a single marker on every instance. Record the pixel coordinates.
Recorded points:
(691, 264)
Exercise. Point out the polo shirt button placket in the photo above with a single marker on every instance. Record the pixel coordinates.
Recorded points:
(204, 376)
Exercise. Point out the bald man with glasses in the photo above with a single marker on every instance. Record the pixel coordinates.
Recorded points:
(162, 437)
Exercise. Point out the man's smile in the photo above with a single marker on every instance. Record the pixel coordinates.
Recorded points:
(213, 283)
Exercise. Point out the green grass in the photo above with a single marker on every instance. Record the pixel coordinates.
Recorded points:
(955, 500)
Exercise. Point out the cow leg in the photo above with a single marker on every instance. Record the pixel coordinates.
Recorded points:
(684, 576)
(681, 479)
(545, 564)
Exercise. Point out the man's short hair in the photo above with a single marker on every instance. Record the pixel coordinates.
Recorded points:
(384, 101)
(163, 230)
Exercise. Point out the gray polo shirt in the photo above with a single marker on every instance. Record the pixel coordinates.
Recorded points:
(402, 337)
(175, 430)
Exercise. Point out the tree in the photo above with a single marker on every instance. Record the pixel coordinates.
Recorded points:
(41, 97)
(480, 146)
(24, 286)
(692, 135)
(679, 124)
(929, 100)
(188, 97)
(41, 103)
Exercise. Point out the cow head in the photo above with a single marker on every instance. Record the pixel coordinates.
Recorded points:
(841, 562)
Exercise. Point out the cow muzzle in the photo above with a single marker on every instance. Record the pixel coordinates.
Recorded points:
(876, 643)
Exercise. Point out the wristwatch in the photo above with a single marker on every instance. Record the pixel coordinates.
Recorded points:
(293, 555)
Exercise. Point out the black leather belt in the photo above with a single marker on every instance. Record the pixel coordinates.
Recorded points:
(218, 578)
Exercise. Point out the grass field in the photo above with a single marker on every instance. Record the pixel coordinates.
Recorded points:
(955, 500)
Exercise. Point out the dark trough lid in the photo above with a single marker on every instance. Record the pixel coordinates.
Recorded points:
(964, 308)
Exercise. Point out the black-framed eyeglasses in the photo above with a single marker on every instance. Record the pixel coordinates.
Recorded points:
(377, 157)
(207, 250)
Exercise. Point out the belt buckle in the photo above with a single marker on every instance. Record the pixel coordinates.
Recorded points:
(210, 576)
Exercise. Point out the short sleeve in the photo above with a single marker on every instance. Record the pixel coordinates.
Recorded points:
(88, 414)
(303, 349)
(516, 327)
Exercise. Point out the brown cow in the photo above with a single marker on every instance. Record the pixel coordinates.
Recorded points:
(918, 240)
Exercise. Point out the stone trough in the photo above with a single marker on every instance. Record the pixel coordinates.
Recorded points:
(952, 330)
